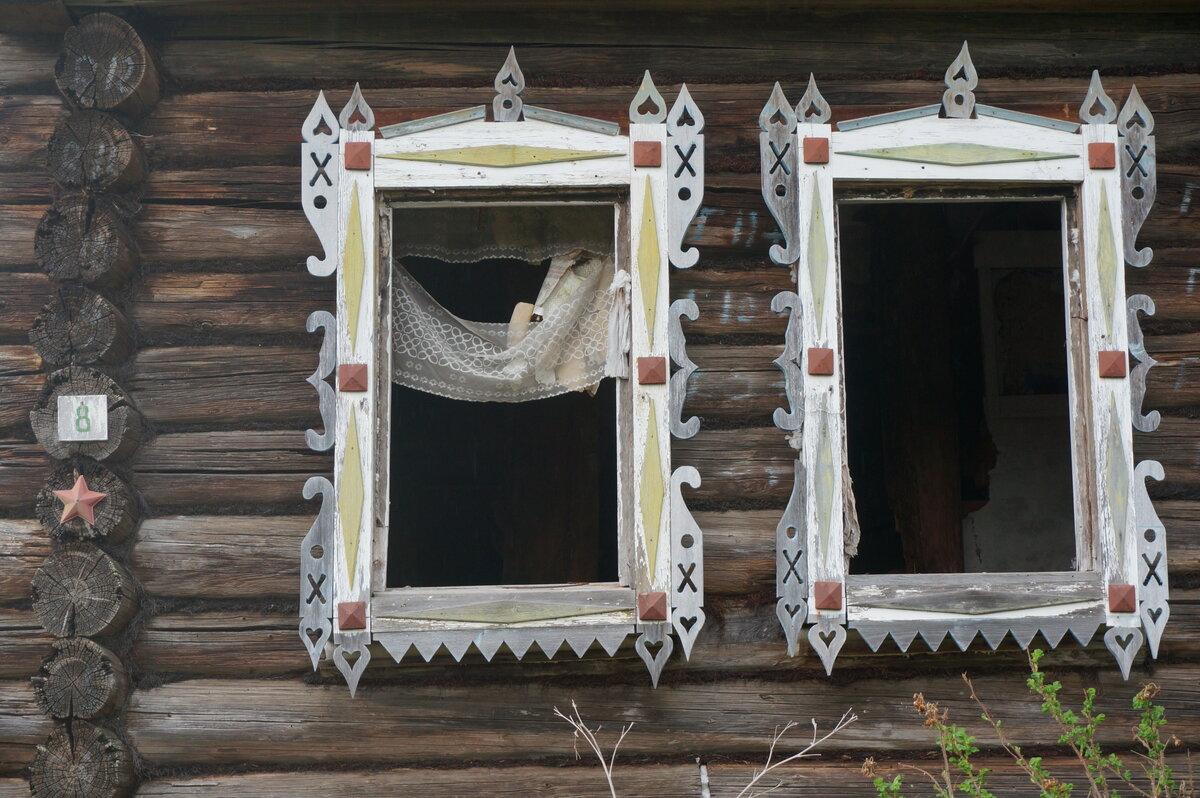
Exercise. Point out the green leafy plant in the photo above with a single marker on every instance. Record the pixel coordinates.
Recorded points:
(1104, 772)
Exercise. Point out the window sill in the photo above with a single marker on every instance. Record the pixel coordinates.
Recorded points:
(946, 597)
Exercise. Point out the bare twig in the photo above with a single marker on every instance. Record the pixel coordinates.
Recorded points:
(748, 791)
(589, 736)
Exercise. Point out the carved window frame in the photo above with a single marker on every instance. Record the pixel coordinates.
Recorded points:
(1103, 171)
(350, 180)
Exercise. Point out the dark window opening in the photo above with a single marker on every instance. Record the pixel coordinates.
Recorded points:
(955, 355)
(497, 493)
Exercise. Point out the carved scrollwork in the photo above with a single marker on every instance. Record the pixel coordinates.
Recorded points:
(326, 397)
(779, 164)
(958, 101)
(788, 362)
(1153, 589)
(1137, 375)
(647, 92)
(1098, 108)
(687, 563)
(679, 309)
(685, 165)
(357, 115)
(1139, 175)
(316, 591)
(509, 84)
(812, 108)
(791, 564)
(963, 632)
(319, 181)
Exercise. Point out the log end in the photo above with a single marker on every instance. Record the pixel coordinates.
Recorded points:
(105, 65)
(116, 515)
(84, 762)
(81, 679)
(80, 590)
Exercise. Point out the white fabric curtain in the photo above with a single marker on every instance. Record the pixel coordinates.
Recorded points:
(577, 335)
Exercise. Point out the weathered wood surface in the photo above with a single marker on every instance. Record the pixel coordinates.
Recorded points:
(257, 557)
(582, 779)
(227, 722)
(80, 590)
(80, 679)
(232, 470)
(85, 238)
(83, 761)
(82, 327)
(22, 726)
(23, 642)
(105, 65)
(92, 150)
(747, 637)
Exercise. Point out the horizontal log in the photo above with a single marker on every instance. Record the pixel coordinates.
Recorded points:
(225, 385)
(24, 467)
(807, 778)
(215, 723)
(22, 726)
(23, 547)
(248, 557)
(22, 297)
(24, 643)
(741, 636)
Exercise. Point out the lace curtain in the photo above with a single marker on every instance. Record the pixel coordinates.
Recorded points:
(576, 334)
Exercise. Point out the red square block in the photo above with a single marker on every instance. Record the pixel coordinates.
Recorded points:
(652, 370)
(652, 606)
(1102, 155)
(816, 150)
(1122, 598)
(1112, 363)
(358, 155)
(647, 153)
(827, 595)
(352, 615)
(352, 377)
(820, 361)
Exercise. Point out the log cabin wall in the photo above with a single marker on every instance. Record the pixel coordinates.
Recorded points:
(222, 699)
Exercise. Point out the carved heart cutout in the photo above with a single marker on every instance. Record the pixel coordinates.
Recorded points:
(351, 658)
(655, 660)
(687, 623)
(1123, 643)
(827, 640)
(315, 639)
(792, 609)
(1154, 613)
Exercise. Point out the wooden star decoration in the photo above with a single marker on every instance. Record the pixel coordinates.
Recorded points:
(79, 502)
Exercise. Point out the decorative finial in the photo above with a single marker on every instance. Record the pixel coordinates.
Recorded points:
(812, 107)
(1096, 96)
(684, 114)
(509, 83)
(1139, 173)
(357, 115)
(320, 126)
(647, 93)
(777, 111)
(958, 101)
(1135, 114)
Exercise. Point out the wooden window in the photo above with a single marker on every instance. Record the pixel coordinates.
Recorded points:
(956, 364)
(454, 520)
